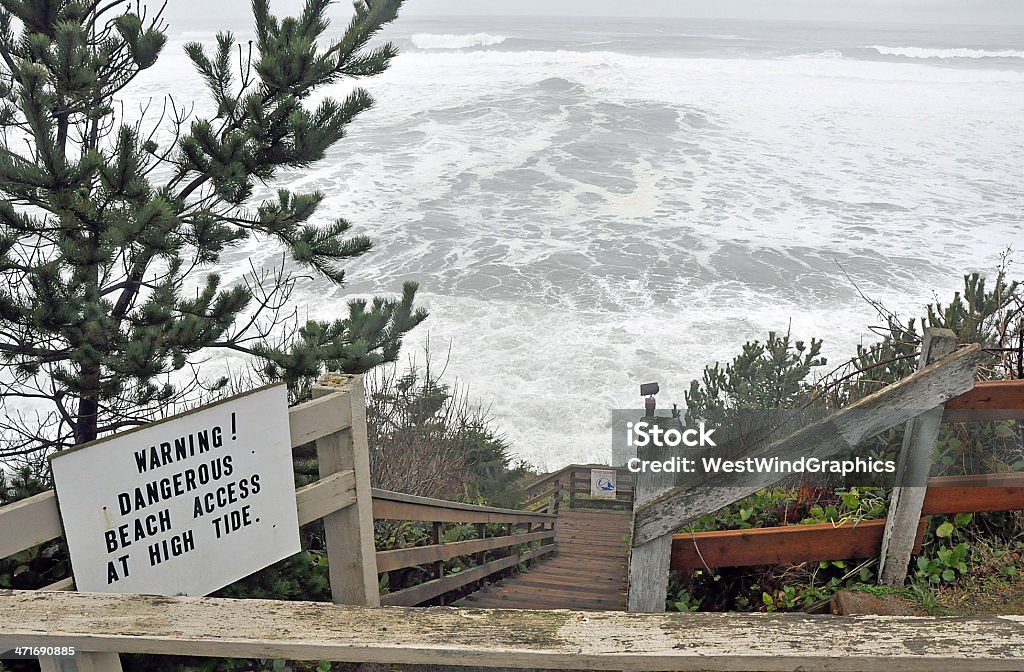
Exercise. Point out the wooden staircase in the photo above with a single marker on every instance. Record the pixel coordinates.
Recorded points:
(588, 572)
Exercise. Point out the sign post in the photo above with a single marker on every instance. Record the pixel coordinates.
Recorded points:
(602, 483)
(183, 506)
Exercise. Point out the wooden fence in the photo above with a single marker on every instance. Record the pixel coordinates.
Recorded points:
(523, 537)
(335, 420)
(943, 390)
(572, 484)
(509, 638)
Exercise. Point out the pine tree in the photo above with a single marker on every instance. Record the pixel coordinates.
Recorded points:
(107, 226)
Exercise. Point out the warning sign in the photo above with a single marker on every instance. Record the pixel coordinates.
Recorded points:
(602, 483)
(183, 506)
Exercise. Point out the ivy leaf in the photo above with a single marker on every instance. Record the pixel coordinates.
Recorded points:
(945, 530)
(1003, 430)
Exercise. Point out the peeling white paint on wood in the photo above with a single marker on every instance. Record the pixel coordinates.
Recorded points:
(508, 638)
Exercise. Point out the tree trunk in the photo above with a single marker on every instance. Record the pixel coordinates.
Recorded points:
(87, 419)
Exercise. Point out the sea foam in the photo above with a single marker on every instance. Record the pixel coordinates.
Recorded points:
(922, 52)
(448, 41)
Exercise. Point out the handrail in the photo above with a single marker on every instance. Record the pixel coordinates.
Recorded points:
(414, 556)
(511, 548)
(543, 480)
(507, 638)
(388, 503)
(542, 497)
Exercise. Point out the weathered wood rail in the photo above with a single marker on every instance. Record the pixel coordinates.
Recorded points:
(569, 640)
(525, 536)
(780, 545)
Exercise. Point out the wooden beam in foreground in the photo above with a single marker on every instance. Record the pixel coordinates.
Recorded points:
(891, 406)
(508, 638)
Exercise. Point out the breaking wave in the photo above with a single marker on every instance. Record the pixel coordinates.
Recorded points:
(922, 52)
(447, 41)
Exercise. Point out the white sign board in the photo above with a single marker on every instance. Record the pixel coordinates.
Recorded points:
(602, 483)
(183, 506)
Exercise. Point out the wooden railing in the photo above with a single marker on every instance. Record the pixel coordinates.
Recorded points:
(573, 482)
(523, 537)
(570, 640)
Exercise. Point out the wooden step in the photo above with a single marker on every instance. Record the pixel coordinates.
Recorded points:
(536, 602)
(596, 588)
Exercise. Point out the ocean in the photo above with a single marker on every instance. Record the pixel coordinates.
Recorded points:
(590, 204)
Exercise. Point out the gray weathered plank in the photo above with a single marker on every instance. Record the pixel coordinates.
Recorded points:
(507, 638)
(890, 406)
(29, 522)
(349, 532)
(324, 497)
(403, 498)
(398, 506)
(421, 555)
(322, 416)
(67, 583)
(912, 473)
(649, 562)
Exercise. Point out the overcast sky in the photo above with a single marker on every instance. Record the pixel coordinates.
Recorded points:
(995, 12)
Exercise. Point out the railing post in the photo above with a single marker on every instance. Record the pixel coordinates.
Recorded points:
(557, 497)
(572, 487)
(481, 533)
(351, 553)
(912, 473)
(436, 537)
(509, 551)
(649, 563)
